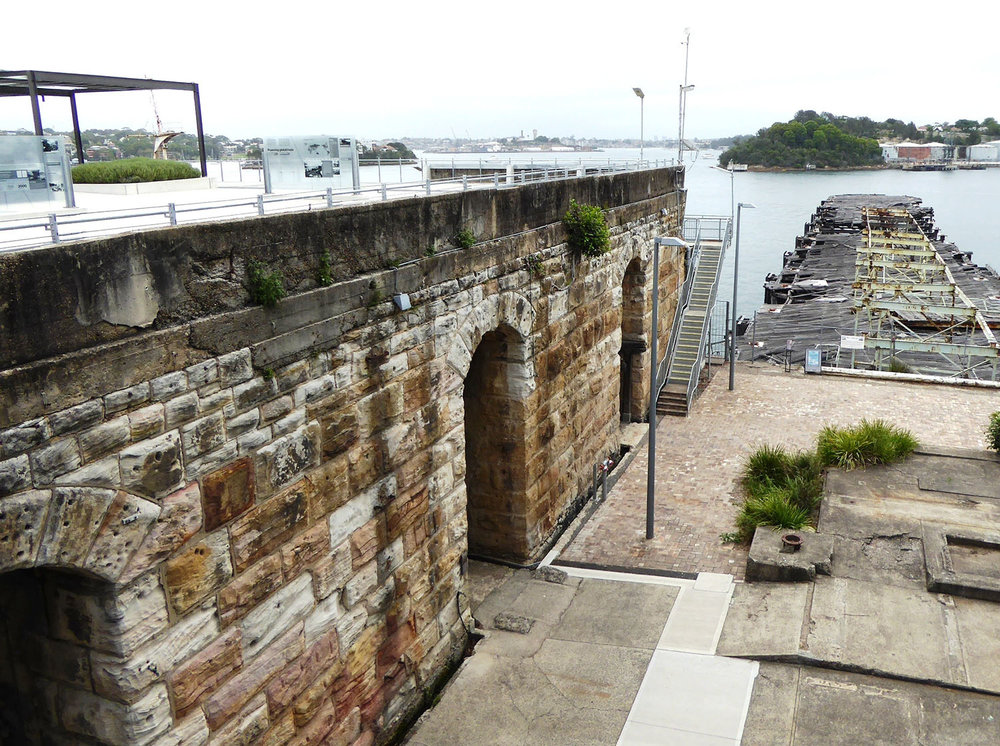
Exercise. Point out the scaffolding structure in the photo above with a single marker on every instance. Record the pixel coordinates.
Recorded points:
(906, 300)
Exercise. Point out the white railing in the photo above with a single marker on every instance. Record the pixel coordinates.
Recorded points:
(19, 234)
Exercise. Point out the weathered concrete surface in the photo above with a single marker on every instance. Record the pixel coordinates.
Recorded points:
(571, 679)
(805, 706)
(769, 559)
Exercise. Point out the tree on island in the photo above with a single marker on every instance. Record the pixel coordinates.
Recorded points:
(807, 139)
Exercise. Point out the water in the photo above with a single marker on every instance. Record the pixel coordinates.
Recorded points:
(963, 203)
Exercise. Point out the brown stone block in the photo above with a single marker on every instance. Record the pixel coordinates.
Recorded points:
(367, 464)
(326, 729)
(74, 516)
(232, 696)
(180, 519)
(404, 512)
(390, 654)
(367, 738)
(412, 577)
(415, 536)
(280, 733)
(416, 389)
(316, 694)
(228, 493)
(122, 532)
(338, 431)
(414, 472)
(249, 589)
(331, 487)
(304, 549)
(332, 572)
(198, 571)
(204, 672)
(270, 524)
(351, 691)
(366, 542)
(297, 676)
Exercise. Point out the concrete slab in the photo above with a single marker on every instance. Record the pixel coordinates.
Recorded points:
(602, 677)
(696, 694)
(642, 734)
(771, 717)
(890, 559)
(978, 625)
(881, 628)
(765, 619)
(543, 601)
(771, 561)
(632, 622)
(696, 622)
(963, 562)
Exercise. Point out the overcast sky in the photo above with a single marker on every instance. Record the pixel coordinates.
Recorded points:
(483, 70)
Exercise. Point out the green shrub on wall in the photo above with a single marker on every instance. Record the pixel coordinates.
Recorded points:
(587, 230)
(266, 288)
(132, 170)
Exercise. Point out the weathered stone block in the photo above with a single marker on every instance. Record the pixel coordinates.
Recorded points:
(228, 493)
(364, 580)
(333, 572)
(235, 367)
(24, 437)
(54, 460)
(275, 409)
(198, 571)
(305, 549)
(192, 731)
(349, 518)
(179, 520)
(366, 541)
(103, 473)
(252, 586)
(217, 402)
(270, 524)
(339, 431)
(126, 398)
(112, 722)
(105, 438)
(168, 386)
(147, 422)
(290, 683)
(125, 680)
(230, 698)
(22, 527)
(289, 423)
(56, 660)
(389, 558)
(243, 423)
(201, 674)
(768, 562)
(180, 409)
(253, 393)
(290, 604)
(76, 418)
(120, 535)
(203, 373)
(281, 732)
(209, 462)
(247, 727)
(253, 440)
(331, 487)
(15, 475)
(75, 517)
(284, 460)
(117, 623)
(153, 467)
(203, 436)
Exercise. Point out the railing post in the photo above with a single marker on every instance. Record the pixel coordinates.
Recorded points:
(54, 228)
(428, 185)
(329, 196)
(465, 183)
(496, 180)
(385, 196)
(172, 213)
(260, 205)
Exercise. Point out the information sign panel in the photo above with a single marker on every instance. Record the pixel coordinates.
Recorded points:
(34, 171)
(310, 163)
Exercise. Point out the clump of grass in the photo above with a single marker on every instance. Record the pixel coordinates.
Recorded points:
(132, 170)
(465, 238)
(993, 432)
(868, 443)
(324, 277)
(587, 229)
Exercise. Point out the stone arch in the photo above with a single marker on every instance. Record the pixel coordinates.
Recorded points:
(80, 597)
(634, 342)
(508, 308)
(496, 401)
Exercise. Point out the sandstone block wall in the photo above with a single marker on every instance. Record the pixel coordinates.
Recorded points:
(230, 524)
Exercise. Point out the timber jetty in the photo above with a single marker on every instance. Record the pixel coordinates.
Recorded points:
(873, 284)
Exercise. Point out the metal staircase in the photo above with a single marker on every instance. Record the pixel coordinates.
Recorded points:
(710, 236)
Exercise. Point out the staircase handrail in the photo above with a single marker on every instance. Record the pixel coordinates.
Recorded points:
(691, 261)
(700, 359)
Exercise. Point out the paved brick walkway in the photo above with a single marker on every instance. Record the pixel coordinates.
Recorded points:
(698, 458)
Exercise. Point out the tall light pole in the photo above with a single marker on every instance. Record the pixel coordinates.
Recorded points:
(682, 105)
(732, 189)
(736, 277)
(642, 121)
(653, 378)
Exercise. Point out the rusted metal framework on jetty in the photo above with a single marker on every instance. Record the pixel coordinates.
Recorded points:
(906, 300)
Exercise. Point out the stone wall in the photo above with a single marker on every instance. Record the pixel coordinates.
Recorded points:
(227, 523)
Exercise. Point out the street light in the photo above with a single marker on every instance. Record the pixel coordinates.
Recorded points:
(654, 376)
(732, 189)
(642, 120)
(736, 277)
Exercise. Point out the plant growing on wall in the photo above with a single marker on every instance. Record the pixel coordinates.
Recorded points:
(465, 238)
(586, 229)
(325, 276)
(993, 432)
(266, 288)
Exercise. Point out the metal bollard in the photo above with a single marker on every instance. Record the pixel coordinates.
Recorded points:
(329, 196)
(595, 481)
(260, 205)
(172, 213)
(428, 183)
(604, 486)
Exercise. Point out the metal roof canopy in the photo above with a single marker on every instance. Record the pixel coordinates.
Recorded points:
(35, 83)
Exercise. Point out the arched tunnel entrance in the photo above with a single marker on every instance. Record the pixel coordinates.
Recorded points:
(496, 387)
(633, 382)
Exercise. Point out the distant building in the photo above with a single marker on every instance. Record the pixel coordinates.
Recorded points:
(915, 152)
(985, 151)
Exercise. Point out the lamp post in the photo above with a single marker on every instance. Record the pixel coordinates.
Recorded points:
(654, 377)
(642, 121)
(732, 189)
(736, 277)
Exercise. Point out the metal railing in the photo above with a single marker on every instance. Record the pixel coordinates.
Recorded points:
(693, 259)
(28, 233)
